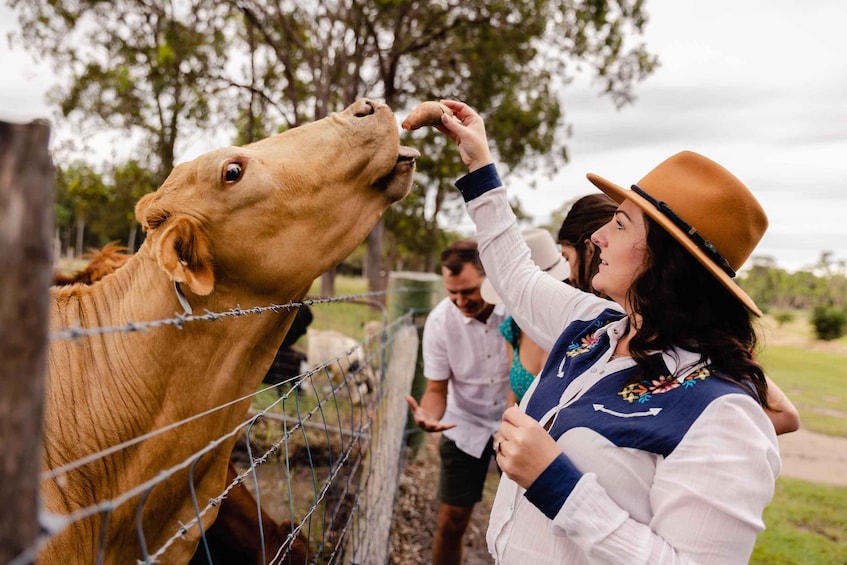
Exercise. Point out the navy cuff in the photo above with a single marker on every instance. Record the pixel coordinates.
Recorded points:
(479, 182)
(553, 487)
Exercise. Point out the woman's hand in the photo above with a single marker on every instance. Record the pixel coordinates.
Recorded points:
(524, 449)
(467, 129)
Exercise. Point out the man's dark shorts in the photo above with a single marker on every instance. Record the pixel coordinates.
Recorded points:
(462, 476)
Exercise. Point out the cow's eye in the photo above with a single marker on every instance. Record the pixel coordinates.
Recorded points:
(232, 173)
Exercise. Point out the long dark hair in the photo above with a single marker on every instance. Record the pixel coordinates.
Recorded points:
(586, 216)
(681, 304)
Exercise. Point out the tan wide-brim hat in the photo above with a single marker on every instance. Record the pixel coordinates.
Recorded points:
(705, 208)
(544, 252)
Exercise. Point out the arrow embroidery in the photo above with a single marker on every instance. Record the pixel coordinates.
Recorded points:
(650, 412)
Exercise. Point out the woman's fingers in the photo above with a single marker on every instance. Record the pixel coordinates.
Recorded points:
(524, 448)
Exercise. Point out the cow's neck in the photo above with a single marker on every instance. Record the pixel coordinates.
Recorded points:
(169, 373)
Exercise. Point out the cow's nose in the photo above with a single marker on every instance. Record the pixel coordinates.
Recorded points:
(364, 107)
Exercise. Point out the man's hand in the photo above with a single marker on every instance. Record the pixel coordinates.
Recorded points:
(426, 422)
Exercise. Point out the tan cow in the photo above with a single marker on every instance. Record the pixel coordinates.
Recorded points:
(247, 226)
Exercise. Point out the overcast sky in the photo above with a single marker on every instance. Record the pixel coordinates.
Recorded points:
(758, 86)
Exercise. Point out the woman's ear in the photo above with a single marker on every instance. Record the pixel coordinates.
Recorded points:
(590, 249)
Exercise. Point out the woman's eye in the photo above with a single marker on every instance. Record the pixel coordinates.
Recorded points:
(233, 172)
(620, 226)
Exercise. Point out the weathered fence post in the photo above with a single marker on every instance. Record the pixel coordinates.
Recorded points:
(419, 293)
(26, 212)
(378, 502)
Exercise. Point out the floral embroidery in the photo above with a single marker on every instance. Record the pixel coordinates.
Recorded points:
(586, 342)
(643, 391)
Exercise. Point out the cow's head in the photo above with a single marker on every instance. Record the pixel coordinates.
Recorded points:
(286, 208)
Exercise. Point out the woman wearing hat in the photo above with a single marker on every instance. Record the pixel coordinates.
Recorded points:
(643, 440)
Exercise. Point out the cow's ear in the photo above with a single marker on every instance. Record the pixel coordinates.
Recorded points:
(185, 253)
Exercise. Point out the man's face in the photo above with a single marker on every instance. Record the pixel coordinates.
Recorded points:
(463, 290)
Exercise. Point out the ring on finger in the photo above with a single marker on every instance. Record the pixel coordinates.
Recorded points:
(496, 447)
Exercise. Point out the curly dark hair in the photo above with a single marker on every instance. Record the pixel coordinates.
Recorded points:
(681, 304)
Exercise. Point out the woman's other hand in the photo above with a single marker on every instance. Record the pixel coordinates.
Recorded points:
(524, 448)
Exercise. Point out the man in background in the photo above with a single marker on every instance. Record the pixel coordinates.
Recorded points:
(467, 372)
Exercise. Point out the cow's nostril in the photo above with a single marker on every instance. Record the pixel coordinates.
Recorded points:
(365, 108)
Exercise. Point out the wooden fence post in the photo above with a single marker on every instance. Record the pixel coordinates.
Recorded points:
(26, 213)
(418, 292)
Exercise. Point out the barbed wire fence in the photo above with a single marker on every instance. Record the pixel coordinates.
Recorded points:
(321, 452)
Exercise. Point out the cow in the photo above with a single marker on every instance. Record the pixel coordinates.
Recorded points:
(234, 537)
(238, 226)
(101, 262)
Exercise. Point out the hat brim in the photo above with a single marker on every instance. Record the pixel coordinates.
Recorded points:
(619, 194)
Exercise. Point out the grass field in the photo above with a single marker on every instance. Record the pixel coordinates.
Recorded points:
(816, 382)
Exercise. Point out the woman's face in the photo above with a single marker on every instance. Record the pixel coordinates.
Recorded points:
(623, 246)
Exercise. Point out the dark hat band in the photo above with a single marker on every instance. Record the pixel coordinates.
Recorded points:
(704, 244)
(551, 267)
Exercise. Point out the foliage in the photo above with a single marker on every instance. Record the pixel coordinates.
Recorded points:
(772, 287)
(165, 68)
(806, 523)
(94, 208)
(151, 70)
(80, 195)
(784, 317)
(830, 322)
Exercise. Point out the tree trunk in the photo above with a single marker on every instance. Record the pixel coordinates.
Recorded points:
(373, 261)
(130, 242)
(328, 283)
(26, 177)
(80, 236)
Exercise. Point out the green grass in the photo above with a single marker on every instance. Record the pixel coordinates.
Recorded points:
(816, 382)
(346, 317)
(806, 524)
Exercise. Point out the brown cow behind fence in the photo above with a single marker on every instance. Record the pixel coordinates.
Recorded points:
(235, 227)
(235, 535)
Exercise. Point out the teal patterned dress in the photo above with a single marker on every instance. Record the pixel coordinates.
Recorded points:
(519, 377)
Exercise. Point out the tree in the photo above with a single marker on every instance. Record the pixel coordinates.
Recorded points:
(290, 62)
(131, 182)
(81, 190)
(136, 66)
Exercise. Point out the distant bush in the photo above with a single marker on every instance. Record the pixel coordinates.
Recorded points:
(783, 317)
(830, 322)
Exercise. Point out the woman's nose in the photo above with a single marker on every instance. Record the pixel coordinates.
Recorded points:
(596, 238)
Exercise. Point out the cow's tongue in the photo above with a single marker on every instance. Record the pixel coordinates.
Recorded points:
(407, 153)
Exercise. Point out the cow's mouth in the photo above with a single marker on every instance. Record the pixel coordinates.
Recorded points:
(407, 154)
(397, 183)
